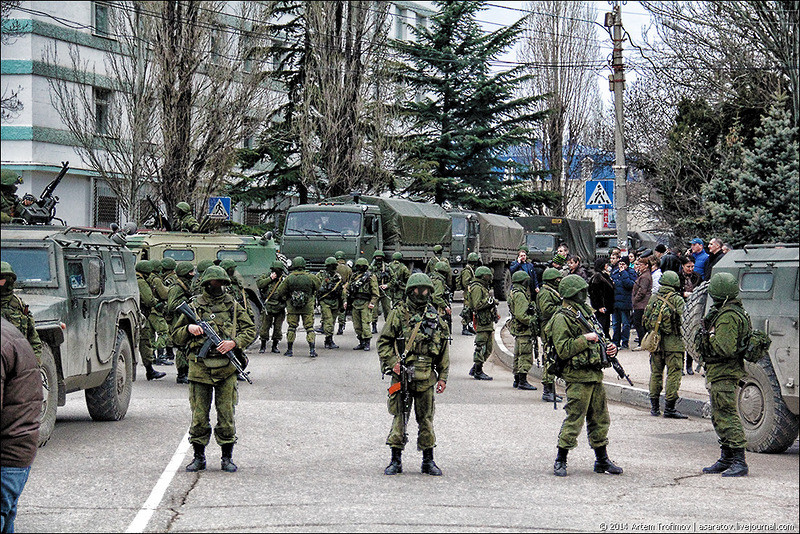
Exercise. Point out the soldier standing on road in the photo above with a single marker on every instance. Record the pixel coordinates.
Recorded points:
(214, 376)
(274, 307)
(186, 221)
(15, 311)
(147, 302)
(156, 319)
(9, 180)
(725, 327)
(299, 290)
(400, 274)
(361, 294)
(484, 308)
(415, 326)
(524, 327)
(344, 271)
(667, 303)
(582, 358)
(384, 276)
(441, 293)
(180, 291)
(169, 278)
(465, 278)
(548, 300)
(330, 297)
(436, 258)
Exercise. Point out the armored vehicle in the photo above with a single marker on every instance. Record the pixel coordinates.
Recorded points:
(80, 286)
(544, 234)
(768, 400)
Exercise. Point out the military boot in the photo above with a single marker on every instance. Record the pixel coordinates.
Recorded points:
(227, 458)
(366, 344)
(560, 465)
(429, 467)
(724, 462)
(170, 354)
(670, 412)
(319, 330)
(289, 351)
(549, 391)
(375, 327)
(183, 375)
(341, 329)
(689, 370)
(522, 382)
(329, 344)
(603, 464)
(472, 371)
(152, 374)
(655, 406)
(516, 380)
(263, 348)
(360, 345)
(275, 346)
(312, 353)
(465, 331)
(478, 373)
(738, 466)
(396, 466)
(199, 461)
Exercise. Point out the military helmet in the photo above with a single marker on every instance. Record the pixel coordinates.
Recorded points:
(168, 264)
(551, 274)
(203, 265)
(441, 267)
(473, 257)
(378, 254)
(215, 272)
(183, 268)
(723, 286)
(183, 207)
(483, 271)
(7, 271)
(144, 267)
(520, 276)
(571, 285)
(670, 278)
(418, 280)
(330, 260)
(278, 265)
(227, 264)
(362, 262)
(155, 266)
(9, 178)
(339, 255)
(437, 249)
(397, 256)
(299, 262)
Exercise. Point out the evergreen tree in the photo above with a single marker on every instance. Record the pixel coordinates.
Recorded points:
(466, 116)
(754, 196)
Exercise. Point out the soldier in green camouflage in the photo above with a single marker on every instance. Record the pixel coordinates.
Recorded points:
(580, 355)
(15, 311)
(236, 287)
(158, 323)
(197, 288)
(523, 326)
(186, 221)
(299, 290)
(441, 293)
(180, 291)
(465, 277)
(384, 276)
(415, 326)
(330, 298)
(9, 201)
(214, 376)
(548, 300)
(147, 303)
(436, 258)
(668, 304)
(168, 277)
(484, 308)
(361, 295)
(344, 271)
(725, 328)
(274, 308)
(400, 274)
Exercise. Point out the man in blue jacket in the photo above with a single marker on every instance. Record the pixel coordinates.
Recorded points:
(700, 257)
(623, 277)
(522, 264)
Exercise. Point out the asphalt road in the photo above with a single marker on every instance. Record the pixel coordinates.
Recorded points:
(311, 455)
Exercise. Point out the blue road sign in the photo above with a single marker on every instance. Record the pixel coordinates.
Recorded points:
(599, 194)
(219, 208)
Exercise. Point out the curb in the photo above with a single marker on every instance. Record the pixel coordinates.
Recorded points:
(630, 395)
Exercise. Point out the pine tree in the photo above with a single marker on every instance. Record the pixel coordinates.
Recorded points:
(466, 116)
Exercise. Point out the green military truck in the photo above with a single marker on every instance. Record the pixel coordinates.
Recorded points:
(360, 225)
(497, 238)
(80, 286)
(769, 285)
(543, 235)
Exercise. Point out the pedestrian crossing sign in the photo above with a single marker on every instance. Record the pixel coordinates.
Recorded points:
(599, 194)
(219, 208)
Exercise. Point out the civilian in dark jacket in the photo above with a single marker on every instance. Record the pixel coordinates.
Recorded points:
(689, 277)
(640, 295)
(601, 294)
(624, 277)
(715, 254)
(575, 267)
(523, 264)
(20, 408)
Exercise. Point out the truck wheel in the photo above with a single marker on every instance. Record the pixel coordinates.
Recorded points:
(768, 424)
(109, 401)
(256, 317)
(693, 312)
(50, 394)
(502, 287)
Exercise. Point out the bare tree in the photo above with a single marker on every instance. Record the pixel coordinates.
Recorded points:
(10, 104)
(564, 57)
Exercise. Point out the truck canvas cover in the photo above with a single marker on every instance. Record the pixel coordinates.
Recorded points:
(579, 234)
(499, 234)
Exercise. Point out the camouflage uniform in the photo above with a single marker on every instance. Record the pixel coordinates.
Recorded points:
(213, 377)
(236, 287)
(330, 298)
(198, 275)
(441, 294)
(186, 222)
(156, 317)
(436, 258)
(548, 300)
(299, 285)
(9, 201)
(523, 326)
(15, 311)
(344, 271)
(429, 354)
(274, 308)
(400, 274)
(384, 277)
(180, 291)
(361, 294)
(465, 277)
(147, 303)
(583, 373)
(484, 308)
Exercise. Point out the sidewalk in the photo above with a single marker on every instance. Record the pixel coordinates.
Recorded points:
(693, 394)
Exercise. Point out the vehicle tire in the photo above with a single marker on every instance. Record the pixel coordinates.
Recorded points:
(109, 401)
(693, 312)
(768, 424)
(256, 317)
(50, 394)
(502, 287)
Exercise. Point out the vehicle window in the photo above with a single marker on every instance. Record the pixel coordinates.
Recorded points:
(117, 264)
(179, 254)
(30, 264)
(75, 275)
(235, 255)
(544, 243)
(756, 282)
(323, 222)
(459, 227)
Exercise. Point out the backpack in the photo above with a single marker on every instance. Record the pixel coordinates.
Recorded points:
(652, 339)
(755, 344)
(298, 299)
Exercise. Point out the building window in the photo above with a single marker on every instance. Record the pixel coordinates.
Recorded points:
(400, 23)
(100, 12)
(106, 205)
(252, 217)
(102, 109)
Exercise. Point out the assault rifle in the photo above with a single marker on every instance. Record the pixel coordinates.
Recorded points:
(593, 326)
(44, 210)
(159, 218)
(534, 311)
(213, 340)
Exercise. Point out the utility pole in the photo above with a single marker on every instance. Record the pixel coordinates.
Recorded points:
(617, 82)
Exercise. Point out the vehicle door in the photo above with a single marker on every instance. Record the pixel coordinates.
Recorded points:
(86, 279)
